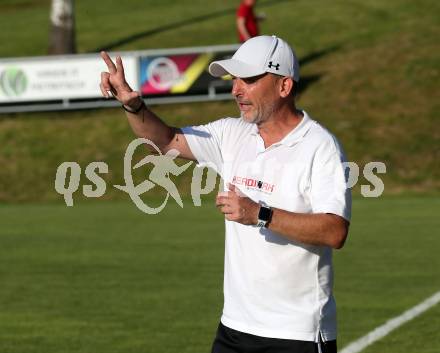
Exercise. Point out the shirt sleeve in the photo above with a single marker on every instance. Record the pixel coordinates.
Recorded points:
(205, 142)
(242, 11)
(329, 189)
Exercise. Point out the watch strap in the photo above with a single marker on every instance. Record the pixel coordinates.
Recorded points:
(134, 111)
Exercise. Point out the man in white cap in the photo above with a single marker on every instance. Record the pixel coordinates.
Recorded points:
(286, 207)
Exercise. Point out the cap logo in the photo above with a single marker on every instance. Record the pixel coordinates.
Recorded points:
(271, 65)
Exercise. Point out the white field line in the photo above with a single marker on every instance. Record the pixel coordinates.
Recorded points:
(391, 325)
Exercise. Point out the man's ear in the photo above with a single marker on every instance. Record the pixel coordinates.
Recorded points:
(286, 86)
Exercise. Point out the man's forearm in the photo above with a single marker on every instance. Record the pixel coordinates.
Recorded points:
(242, 28)
(144, 122)
(315, 229)
(148, 125)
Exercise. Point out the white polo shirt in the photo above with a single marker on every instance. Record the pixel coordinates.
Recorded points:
(274, 287)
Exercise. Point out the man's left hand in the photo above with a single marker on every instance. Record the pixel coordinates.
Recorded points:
(236, 207)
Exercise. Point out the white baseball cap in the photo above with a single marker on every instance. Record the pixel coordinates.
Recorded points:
(257, 56)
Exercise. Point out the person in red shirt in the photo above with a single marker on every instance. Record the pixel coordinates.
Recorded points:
(247, 21)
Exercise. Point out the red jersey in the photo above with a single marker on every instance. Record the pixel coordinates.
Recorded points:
(250, 21)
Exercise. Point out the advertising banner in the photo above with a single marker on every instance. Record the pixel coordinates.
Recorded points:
(57, 78)
(181, 74)
(72, 81)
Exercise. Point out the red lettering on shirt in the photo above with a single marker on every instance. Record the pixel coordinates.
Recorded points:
(251, 183)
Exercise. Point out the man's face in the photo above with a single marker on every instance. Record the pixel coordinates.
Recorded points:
(257, 97)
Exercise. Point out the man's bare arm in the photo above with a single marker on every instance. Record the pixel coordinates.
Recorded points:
(242, 28)
(144, 122)
(148, 125)
(315, 229)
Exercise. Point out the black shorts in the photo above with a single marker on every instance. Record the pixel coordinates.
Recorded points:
(231, 341)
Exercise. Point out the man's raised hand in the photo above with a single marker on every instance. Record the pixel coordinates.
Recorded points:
(237, 207)
(114, 82)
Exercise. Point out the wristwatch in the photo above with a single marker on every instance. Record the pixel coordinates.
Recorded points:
(264, 216)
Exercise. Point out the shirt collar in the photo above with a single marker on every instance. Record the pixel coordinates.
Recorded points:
(293, 136)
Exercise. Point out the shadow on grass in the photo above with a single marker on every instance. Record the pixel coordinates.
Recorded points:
(317, 55)
(306, 81)
(178, 24)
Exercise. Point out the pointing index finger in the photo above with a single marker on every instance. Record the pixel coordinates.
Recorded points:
(108, 61)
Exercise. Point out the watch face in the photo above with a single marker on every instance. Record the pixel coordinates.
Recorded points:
(265, 213)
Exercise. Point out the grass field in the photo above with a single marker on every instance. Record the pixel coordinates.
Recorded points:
(103, 277)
